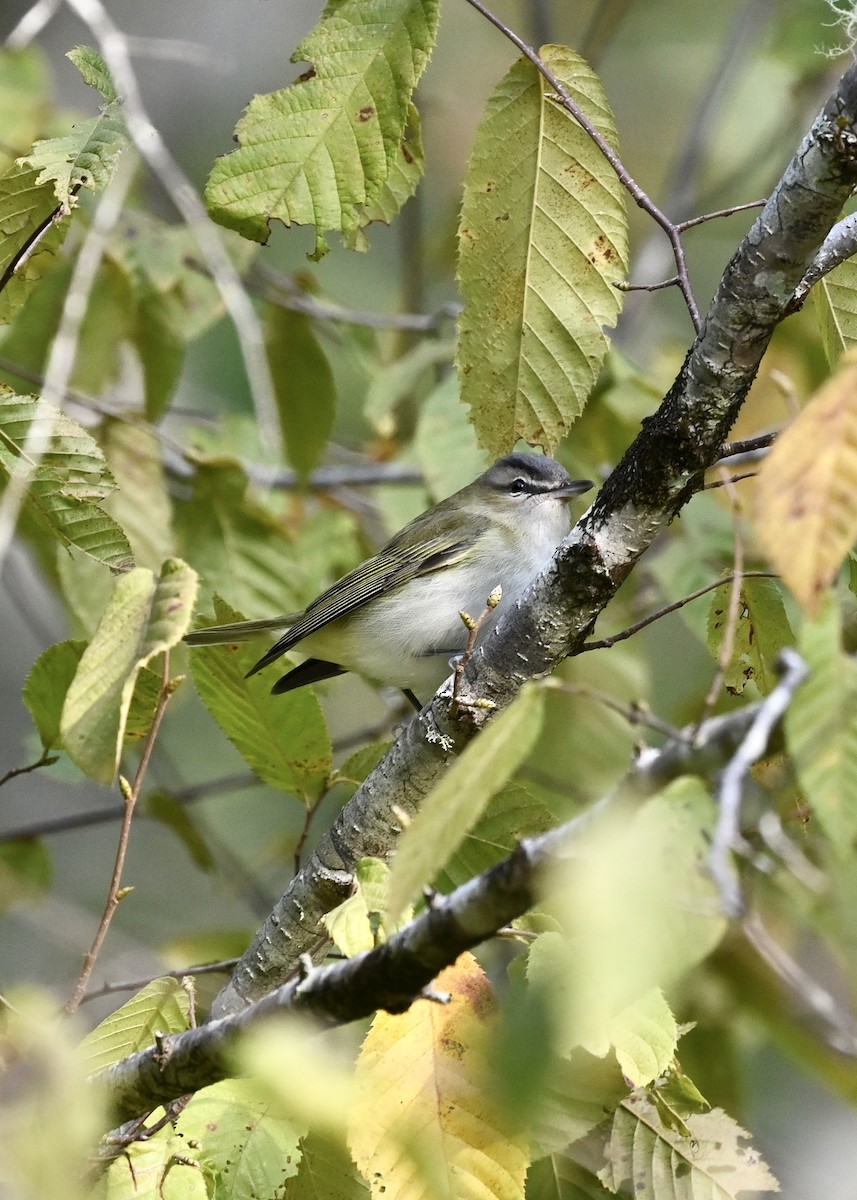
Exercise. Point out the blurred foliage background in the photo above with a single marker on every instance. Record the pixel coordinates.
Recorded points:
(710, 101)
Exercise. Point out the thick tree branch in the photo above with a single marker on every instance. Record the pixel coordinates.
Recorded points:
(396, 974)
(661, 471)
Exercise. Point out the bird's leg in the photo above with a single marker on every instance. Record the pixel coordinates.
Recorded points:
(459, 663)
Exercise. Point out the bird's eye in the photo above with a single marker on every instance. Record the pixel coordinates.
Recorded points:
(518, 486)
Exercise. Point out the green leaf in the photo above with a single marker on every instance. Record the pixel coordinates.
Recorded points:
(283, 738)
(509, 816)
(88, 155)
(395, 382)
(717, 1161)
(360, 922)
(835, 300)
(25, 207)
(558, 1177)
(161, 1007)
(327, 151)
(68, 481)
(141, 505)
(24, 95)
(94, 70)
(239, 1133)
(46, 687)
(639, 910)
(304, 387)
(541, 199)
(161, 806)
(145, 617)
(444, 445)
(237, 547)
(358, 765)
(645, 1037)
(405, 170)
(26, 872)
(579, 1091)
(326, 1171)
(821, 729)
(159, 1168)
(761, 632)
(456, 803)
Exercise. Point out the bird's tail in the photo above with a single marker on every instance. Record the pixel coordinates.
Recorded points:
(239, 631)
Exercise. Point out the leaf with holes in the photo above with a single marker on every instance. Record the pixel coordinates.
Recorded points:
(332, 149)
(541, 199)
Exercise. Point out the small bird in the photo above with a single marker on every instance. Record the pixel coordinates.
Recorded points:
(395, 618)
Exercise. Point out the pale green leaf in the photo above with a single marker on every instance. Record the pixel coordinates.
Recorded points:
(405, 170)
(283, 738)
(456, 803)
(821, 729)
(639, 909)
(326, 1171)
(239, 1133)
(327, 151)
(761, 631)
(46, 687)
(358, 765)
(304, 387)
(541, 200)
(87, 156)
(644, 1037)
(805, 510)
(717, 1162)
(161, 1007)
(145, 617)
(360, 922)
(835, 300)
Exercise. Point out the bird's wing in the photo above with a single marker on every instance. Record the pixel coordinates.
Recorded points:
(390, 568)
(238, 631)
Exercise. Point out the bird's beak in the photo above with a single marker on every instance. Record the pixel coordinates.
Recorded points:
(575, 488)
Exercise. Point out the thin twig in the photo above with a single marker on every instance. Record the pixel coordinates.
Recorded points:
(45, 761)
(641, 198)
(134, 985)
(733, 610)
(753, 746)
(312, 809)
(131, 796)
(152, 148)
(681, 226)
(842, 1034)
(606, 643)
(634, 713)
(728, 481)
(625, 285)
(748, 445)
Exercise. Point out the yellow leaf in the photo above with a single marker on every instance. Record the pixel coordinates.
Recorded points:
(425, 1125)
(806, 494)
